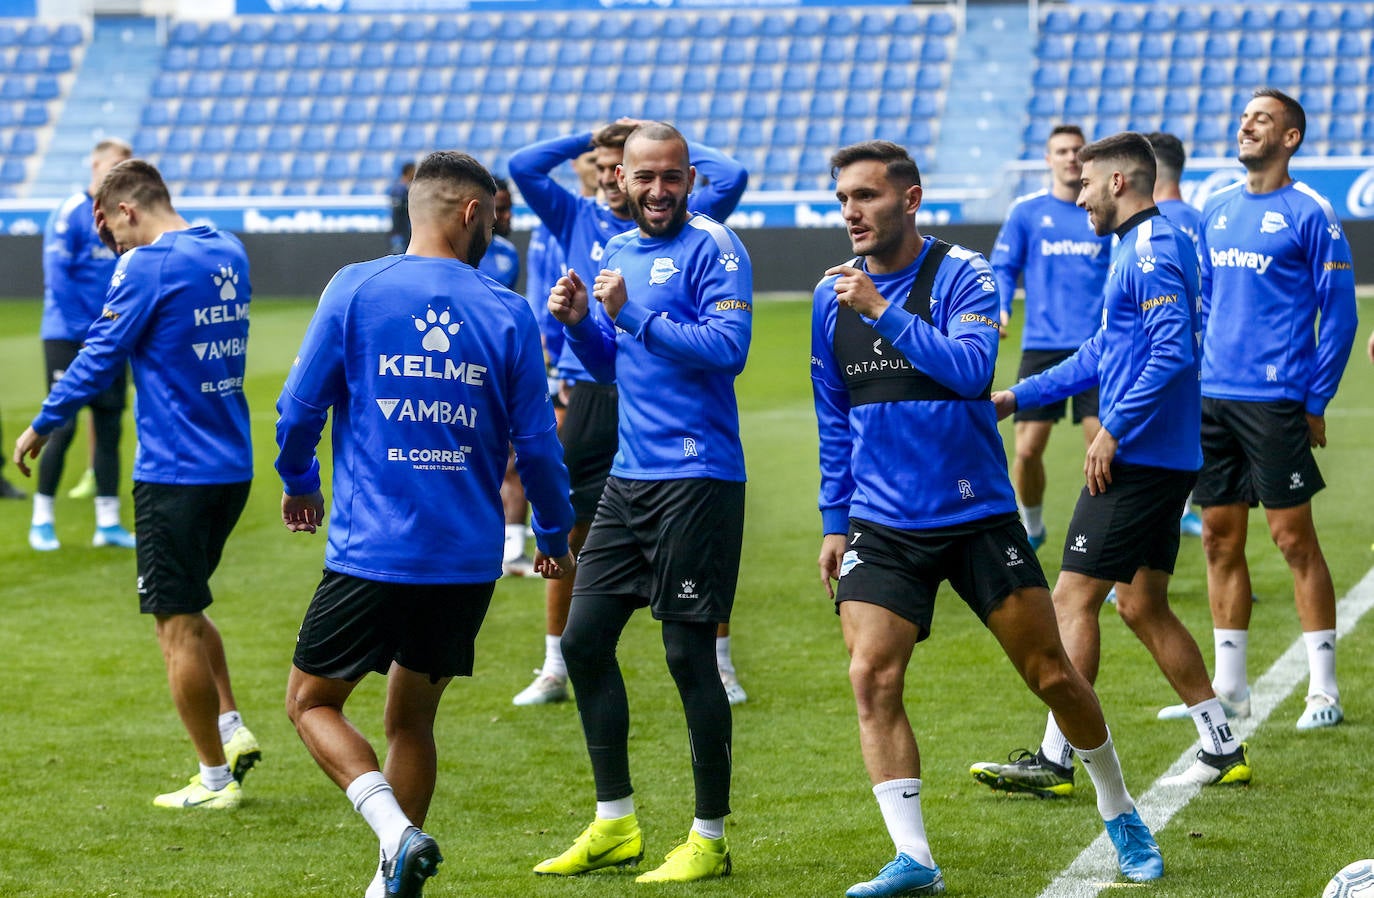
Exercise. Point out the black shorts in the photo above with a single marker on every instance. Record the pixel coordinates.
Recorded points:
(1131, 525)
(673, 545)
(354, 626)
(901, 570)
(1256, 452)
(58, 356)
(589, 437)
(181, 534)
(1033, 361)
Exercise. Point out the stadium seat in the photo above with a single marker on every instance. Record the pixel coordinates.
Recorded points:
(1058, 21)
(1181, 74)
(1043, 104)
(1114, 75)
(1288, 18)
(1145, 103)
(1110, 102)
(1247, 75)
(1315, 101)
(1179, 102)
(1342, 129)
(1123, 20)
(1281, 74)
(1219, 47)
(1355, 16)
(1345, 102)
(1185, 46)
(1086, 46)
(1052, 48)
(1315, 74)
(1284, 46)
(1077, 104)
(1147, 75)
(1121, 46)
(1048, 77)
(1222, 18)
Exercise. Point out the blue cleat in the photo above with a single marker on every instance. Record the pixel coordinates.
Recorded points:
(1136, 850)
(902, 876)
(1190, 524)
(1038, 539)
(42, 538)
(419, 858)
(113, 535)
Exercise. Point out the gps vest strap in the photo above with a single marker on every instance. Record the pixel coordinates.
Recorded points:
(876, 371)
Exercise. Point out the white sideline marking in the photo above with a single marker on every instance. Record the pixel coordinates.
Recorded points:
(1095, 869)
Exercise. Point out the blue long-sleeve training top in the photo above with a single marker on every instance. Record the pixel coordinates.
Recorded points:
(675, 349)
(1278, 287)
(583, 227)
(177, 311)
(1145, 356)
(1050, 243)
(544, 265)
(76, 271)
(1185, 217)
(912, 463)
(432, 370)
(501, 262)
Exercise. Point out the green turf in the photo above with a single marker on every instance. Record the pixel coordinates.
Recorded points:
(88, 733)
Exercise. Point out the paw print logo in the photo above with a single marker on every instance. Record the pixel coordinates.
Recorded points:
(1012, 554)
(1334, 229)
(1080, 543)
(1295, 481)
(730, 261)
(439, 327)
(118, 277)
(226, 280)
(987, 284)
(1146, 263)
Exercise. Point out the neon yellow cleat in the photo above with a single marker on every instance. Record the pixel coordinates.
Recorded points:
(85, 487)
(605, 843)
(197, 796)
(697, 858)
(241, 752)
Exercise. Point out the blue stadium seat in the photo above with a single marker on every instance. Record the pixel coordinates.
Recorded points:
(750, 134)
(1288, 18)
(1058, 21)
(907, 24)
(592, 109)
(1147, 74)
(1317, 46)
(821, 134)
(1284, 46)
(13, 171)
(596, 80)
(438, 56)
(766, 53)
(903, 53)
(728, 80)
(1355, 16)
(398, 82)
(1185, 46)
(1052, 48)
(1190, 20)
(1210, 130)
(179, 140)
(27, 61)
(381, 139)
(356, 111)
(1315, 102)
(304, 166)
(23, 143)
(176, 59)
(1281, 74)
(930, 78)
(1048, 77)
(347, 139)
(766, 79)
(638, 53)
(404, 56)
(824, 105)
(1350, 45)
(372, 56)
(1077, 104)
(796, 78)
(315, 140)
(932, 51)
(1222, 18)
(785, 133)
(156, 113)
(1121, 46)
(246, 140)
(1086, 46)
(940, 23)
(1367, 135)
(1256, 18)
(1036, 133)
(1219, 47)
(1084, 75)
(1114, 75)
(1123, 20)
(1145, 103)
(1345, 102)
(1179, 102)
(1092, 21)
(209, 57)
(874, 24)
(837, 50)
(828, 78)
(1315, 74)
(1342, 129)
(1110, 102)
(68, 34)
(59, 61)
(755, 106)
(463, 82)
(802, 51)
(1042, 105)
(1247, 75)
(227, 188)
(184, 33)
(917, 134)
(203, 168)
(1181, 74)
(740, 26)
(1216, 74)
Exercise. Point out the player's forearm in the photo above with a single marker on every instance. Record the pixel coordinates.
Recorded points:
(963, 365)
(299, 426)
(539, 462)
(726, 180)
(718, 344)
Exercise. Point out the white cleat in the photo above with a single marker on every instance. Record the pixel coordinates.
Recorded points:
(1322, 711)
(1235, 708)
(520, 566)
(545, 690)
(734, 692)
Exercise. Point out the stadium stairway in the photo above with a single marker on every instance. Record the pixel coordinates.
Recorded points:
(986, 102)
(110, 89)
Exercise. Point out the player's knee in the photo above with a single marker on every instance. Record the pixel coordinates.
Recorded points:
(875, 681)
(1049, 675)
(584, 650)
(1298, 545)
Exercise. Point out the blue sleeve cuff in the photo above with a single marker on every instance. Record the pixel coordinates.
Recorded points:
(835, 520)
(892, 322)
(584, 330)
(304, 484)
(633, 317)
(1315, 405)
(1027, 395)
(554, 545)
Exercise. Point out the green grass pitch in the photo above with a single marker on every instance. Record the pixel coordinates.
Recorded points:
(88, 733)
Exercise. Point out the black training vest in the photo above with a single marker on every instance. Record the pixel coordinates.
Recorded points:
(873, 369)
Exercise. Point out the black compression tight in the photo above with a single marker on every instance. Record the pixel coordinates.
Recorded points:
(107, 432)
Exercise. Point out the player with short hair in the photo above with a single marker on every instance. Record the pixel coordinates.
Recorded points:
(677, 303)
(903, 346)
(398, 193)
(431, 370)
(582, 225)
(177, 311)
(1278, 288)
(1140, 467)
(76, 274)
(1047, 240)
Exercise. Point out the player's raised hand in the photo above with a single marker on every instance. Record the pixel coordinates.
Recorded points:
(568, 299)
(855, 289)
(609, 290)
(302, 513)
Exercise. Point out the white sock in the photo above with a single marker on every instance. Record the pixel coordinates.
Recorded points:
(553, 657)
(215, 778)
(1230, 648)
(42, 510)
(900, 802)
(1213, 731)
(372, 797)
(515, 542)
(229, 722)
(1104, 769)
(614, 810)
(1054, 746)
(709, 829)
(1321, 662)
(1032, 518)
(724, 663)
(107, 511)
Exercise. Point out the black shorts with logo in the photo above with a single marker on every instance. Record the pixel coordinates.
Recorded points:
(901, 570)
(589, 437)
(1256, 452)
(673, 545)
(1033, 361)
(355, 625)
(1131, 525)
(58, 356)
(181, 532)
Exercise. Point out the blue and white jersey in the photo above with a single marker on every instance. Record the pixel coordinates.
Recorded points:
(177, 311)
(76, 270)
(1051, 245)
(1145, 357)
(675, 350)
(584, 227)
(1273, 264)
(501, 262)
(544, 265)
(913, 464)
(1183, 216)
(431, 370)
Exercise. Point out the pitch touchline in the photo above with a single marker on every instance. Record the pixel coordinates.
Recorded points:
(1095, 869)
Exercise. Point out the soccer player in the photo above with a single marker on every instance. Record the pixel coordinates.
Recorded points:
(76, 273)
(177, 311)
(399, 192)
(432, 371)
(676, 305)
(1278, 287)
(903, 345)
(1169, 160)
(1140, 467)
(582, 226)
(1047, 240)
